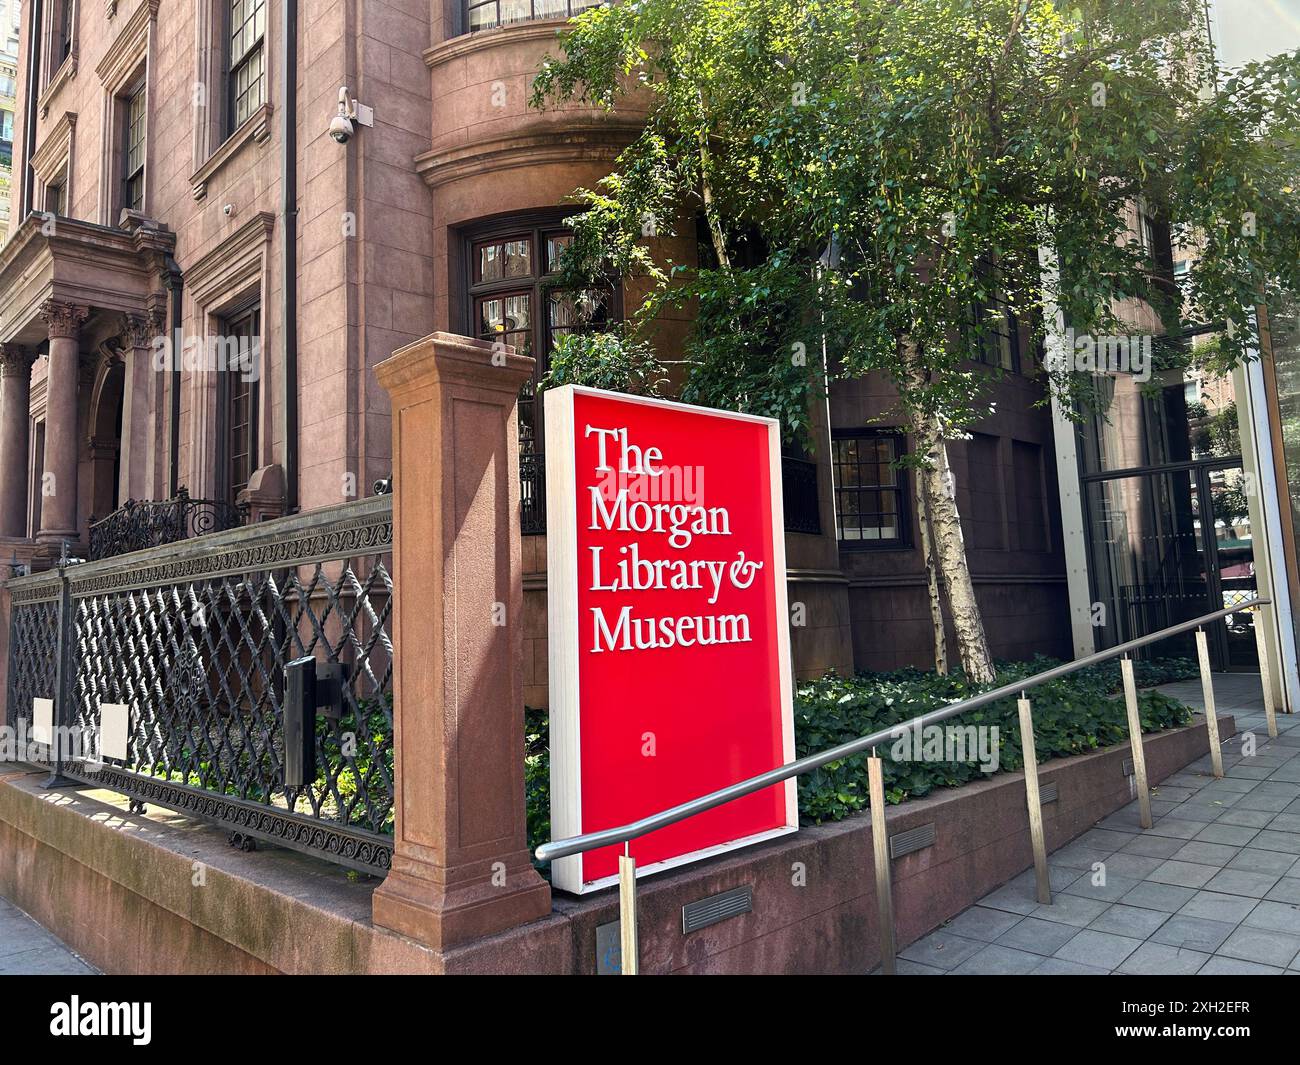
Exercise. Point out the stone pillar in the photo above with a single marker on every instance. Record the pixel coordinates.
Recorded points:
(460, 864)
(137, 336)
(59, 480)
(15, 417)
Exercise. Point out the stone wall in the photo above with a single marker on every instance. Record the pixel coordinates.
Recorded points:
(123, 890)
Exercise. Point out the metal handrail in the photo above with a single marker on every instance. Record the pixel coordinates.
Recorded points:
(562, 848)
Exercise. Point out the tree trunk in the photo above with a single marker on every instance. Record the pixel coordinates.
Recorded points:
(706, 193)
(931, 580)
(945, 522)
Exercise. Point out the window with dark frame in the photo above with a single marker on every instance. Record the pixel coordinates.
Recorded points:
(242, 333)
(514, 299)
(487, 14)
(56, 197)
(245, 61)
(870, 489)
(133, 154)
(66, 22)
(997, 344)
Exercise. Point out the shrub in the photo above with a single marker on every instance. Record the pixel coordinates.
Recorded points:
(1072, 715)
(537, 776)
(611, 360)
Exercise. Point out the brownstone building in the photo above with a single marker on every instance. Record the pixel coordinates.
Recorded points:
(199, 280)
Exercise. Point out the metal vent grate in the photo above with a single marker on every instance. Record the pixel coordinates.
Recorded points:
(703, 912)
(1049, 792)
(914, 839)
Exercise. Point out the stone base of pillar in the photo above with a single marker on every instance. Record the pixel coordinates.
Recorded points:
(265, 494)
(48, 548)
(417, 901)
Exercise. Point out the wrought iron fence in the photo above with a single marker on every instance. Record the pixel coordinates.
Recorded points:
(799, 491)
(139, 525)
(532, 493)
(194, 640)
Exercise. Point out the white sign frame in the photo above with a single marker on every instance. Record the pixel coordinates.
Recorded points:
(43, 721)
(114, 730)
(563, 635)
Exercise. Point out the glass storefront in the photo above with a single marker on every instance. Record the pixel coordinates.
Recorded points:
(1165, 512)
(1284, 328)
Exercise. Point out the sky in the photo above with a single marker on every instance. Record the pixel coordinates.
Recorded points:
(1254, 29)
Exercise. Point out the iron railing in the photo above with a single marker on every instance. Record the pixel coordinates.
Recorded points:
(624, 834)
(532, 493)
(799, 495)
(194, 640)
(138, 525)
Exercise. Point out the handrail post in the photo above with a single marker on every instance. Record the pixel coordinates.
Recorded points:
(1211, 714)
(1135, 743)
(629, 962)
(1036, 835)
(884, 879)
(1265, 678)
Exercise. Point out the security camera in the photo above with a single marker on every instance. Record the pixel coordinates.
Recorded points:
(350, 111)
(228, 209)
(341, 128)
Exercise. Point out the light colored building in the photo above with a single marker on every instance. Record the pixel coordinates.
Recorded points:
(10, 21)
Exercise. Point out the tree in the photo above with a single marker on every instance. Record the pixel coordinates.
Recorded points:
(892, 179)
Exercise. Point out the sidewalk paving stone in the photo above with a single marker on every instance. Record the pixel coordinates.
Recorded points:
(1103, 949)
(27, 949)
(1213, 888)
(1261, 945)
(1194, 933)
(1038, 936)
(1159, 959)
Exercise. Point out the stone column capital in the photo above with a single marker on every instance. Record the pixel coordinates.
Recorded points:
(140, 329)
(63, 320)
(16, 360)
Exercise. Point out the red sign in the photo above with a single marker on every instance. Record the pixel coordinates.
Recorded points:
(668, 634)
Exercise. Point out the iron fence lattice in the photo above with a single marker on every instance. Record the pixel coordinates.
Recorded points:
(33, 655)
(194, 640)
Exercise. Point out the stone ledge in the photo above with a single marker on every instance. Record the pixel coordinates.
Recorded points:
(829, 926)
(119, 889)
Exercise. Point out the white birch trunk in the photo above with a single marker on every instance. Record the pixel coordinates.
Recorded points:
(931, 580)
(949, 545)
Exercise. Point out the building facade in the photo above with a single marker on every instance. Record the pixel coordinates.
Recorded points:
(10, 23)
(200, 279)
(500, 173)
